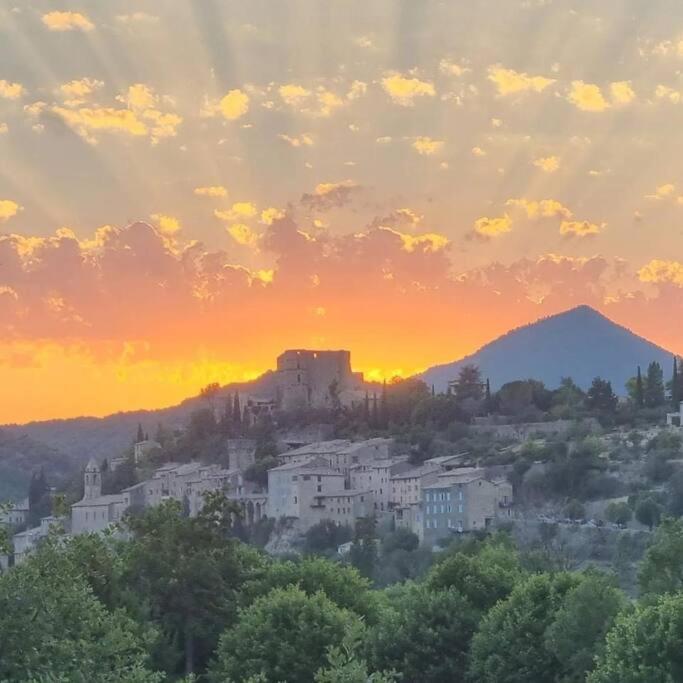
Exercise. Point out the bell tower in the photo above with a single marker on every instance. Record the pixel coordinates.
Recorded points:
(92, 481)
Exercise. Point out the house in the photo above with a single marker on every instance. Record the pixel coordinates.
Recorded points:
(343, 507)
(341, 454)
(16, 515)
(375, 476)
(461, 502)
(293, 489)
(450, 462)
(26, 541)
(406, 486)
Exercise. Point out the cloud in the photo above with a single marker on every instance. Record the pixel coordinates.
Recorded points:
(330, 195)
(660, 271)
(545, 208)
(243, 234)
(451, 68)
(238, 211)
(404, 216)
(319, 102)
(77, 91)
(270, 215)
(511, 82)
(211, 191)
(622, 92)
(427, 242)
(427, 146)
(548, 164)
(404, 90)
(3, 128)
(478, 152)
(141, 118)
(581, 228)
(11, 91)
(8, 209)
(303, 140)
(168, 225)
(234, 105)
(67, 21)
(663, 92)
(492, 227)
(589, 97)
(662, 192)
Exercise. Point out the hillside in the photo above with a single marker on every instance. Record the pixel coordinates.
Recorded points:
(580, 343)
(63, 446)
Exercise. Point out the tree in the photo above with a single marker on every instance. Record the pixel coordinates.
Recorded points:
(639, 392)
(345, 664)
(342, 584)
(283, 636)
(648, 512)
(619, 513)
(645, 645)
(661, 570)
(510, 646)
(469, 384)
(484, 574)
(52, 628)
(676, 388)
(186, 571)
(574, 510)
(326, 536)
(601, 397)
(577, 632)
(363, 553)
(39, 498)
(140, 436)
(423, 634)
(653, 392)
(237, 413)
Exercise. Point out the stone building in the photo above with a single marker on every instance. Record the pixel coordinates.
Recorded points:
(375, 476)
(293, 489)
(406, 486)
(95, 512)
(16, 515)
(317, 379)
(463, 501)
(342, 507)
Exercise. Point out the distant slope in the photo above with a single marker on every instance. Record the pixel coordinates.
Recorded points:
(62, 446)
(580, 343)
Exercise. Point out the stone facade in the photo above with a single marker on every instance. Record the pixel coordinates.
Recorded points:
(675, 419)
(376, 476)
(316, 379)
(406, 487)
(463, 501)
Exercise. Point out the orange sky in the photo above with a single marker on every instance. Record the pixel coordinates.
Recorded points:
(187, 189)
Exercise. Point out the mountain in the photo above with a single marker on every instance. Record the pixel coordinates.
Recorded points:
(580, 343)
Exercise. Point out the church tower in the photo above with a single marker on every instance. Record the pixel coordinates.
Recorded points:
(92, 484)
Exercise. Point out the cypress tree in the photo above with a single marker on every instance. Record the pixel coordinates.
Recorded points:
(374, 420)
(237, 411)
(140, 435)
(675, 386)
(366, 407)
(639, 389)
(488, 391)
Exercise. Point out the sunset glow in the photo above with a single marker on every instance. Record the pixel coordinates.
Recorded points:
(187, 189)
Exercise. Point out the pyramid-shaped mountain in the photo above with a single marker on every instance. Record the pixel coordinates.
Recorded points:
(580, 343)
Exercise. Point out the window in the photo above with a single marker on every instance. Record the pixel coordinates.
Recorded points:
(320, 488)
(449, 508)
(296, 500)
(460, 507)
(319, 478)
(307, 477)
(459, 495)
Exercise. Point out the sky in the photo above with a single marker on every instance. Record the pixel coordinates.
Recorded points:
(189, 187)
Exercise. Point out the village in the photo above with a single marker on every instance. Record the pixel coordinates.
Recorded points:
(337, 480)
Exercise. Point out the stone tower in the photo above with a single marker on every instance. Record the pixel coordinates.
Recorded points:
(92, 482)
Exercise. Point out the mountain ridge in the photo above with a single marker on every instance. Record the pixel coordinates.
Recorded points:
(612, 351)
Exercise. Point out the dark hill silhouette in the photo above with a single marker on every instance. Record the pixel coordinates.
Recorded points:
(580, 343)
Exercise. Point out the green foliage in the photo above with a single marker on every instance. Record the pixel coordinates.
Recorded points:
(510, 646)
(648, 512)
(645, 645)
(343, 585)
(422, 633)
(575, 510)
(662, 568)
(283, 636)
(326, 537)
(52, 627)
(363, 553)
(619, 513)
(601, 397)
(483, 574)
(653, 391)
